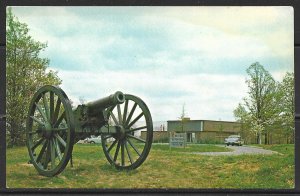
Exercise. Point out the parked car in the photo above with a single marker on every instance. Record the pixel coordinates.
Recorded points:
(93, 139)
(234, 140)
(81, 142)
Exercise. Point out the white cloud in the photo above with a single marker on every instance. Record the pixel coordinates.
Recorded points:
(166, 56)
(206, 96)
(272, 26)
(212, 32)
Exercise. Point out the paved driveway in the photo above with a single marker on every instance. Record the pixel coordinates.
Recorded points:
(239, 150)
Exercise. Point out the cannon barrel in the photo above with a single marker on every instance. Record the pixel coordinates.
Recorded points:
(103, 103)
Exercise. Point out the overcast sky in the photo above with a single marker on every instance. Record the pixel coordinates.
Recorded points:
(168, 56)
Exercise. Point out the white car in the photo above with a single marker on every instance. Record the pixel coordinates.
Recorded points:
(93, 139)
(81, 142)
(234, 140)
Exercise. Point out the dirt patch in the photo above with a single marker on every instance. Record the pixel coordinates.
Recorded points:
(26, 165)
(248, 167)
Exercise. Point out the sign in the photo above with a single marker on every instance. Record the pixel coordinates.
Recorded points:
(178, 140)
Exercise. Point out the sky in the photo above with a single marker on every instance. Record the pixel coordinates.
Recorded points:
(168, 56)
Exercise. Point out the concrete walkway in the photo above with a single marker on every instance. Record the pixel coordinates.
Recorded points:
(239, 150)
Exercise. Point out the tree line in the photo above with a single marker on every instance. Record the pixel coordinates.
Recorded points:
(268, 107)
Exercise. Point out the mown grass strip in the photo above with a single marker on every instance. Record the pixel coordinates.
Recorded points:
(164, 168)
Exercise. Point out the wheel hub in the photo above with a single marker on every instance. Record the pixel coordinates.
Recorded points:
(47, 131)
(121, 132)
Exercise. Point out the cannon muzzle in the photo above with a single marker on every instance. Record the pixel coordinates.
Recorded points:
(101, 104)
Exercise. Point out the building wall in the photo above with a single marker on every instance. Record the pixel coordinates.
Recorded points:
(221, 126)
(212, 136)
(248, 137)
(204, 137)
(187, 126)
(204, 125)
(206, 131)
(158, 136)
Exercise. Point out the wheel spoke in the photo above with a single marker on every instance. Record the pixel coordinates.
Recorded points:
(112, 145)
(37, 144)
(122, 153)
(57, 108)
(108, 136)
(48, 153)
(114, 118)
(136, 119)
(46, 106)
(57, 149)
(135, 149)
(37, 120)
(117, 151)
(51, 106)
(131, 113)
(61, 140)
(59, 120)
(139, 139)
(52, 147)
(135, 129)
(48, 130)
(125, 111)
(128, 153)
(42, 151)
(119, 114)
(111, 108)
(41, 112)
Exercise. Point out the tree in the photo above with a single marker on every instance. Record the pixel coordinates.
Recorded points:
(26, 72)
(243, 117)
(182, 115)
(260, 105)
(287, 105)
(82, 100)
(240, 113)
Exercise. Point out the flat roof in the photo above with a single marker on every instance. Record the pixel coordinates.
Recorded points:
(204, 120)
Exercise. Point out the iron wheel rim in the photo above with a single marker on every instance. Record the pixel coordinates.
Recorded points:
(129, 152)
(57, 140)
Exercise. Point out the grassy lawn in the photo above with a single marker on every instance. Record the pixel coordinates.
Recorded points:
(164, 168)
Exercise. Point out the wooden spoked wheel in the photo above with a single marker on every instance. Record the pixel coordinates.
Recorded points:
(50, 130)
(129, 147)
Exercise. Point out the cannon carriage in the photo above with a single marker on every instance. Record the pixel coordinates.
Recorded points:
(53, 127)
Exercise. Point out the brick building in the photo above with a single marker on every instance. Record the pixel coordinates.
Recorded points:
(204, 131)
(211, 131)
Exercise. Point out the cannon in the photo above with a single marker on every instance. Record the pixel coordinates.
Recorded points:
(53, 127)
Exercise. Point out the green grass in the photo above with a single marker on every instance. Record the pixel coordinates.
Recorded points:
(190, 148)
(164, 168)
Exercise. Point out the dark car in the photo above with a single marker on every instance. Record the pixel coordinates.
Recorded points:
(234, 140)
